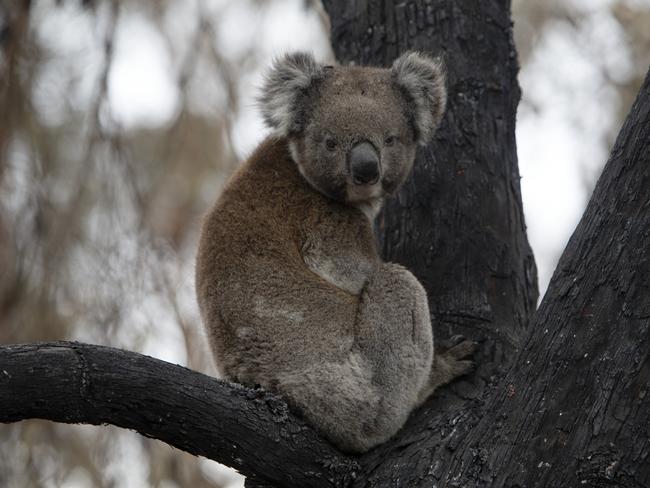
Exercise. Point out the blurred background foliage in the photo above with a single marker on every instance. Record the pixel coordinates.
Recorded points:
(120, 121)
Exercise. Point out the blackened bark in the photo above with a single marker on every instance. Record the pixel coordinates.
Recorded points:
(575, 408)
(250, 430)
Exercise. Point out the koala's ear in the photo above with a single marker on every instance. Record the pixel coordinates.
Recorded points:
(422, 80)
(288, 80)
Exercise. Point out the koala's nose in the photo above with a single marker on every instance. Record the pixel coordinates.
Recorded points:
(364, 164)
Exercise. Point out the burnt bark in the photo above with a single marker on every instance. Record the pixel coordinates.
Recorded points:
(250, 430)
(458, 221)
(574, 409)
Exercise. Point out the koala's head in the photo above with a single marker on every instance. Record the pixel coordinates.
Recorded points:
(353, 131)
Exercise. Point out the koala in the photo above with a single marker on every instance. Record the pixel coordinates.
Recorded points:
(292, 292)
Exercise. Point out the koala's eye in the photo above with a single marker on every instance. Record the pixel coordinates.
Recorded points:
(390, 140)
(330, 144)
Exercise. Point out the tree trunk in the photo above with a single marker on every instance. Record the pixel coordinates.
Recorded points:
(458, 221)
(573, 410)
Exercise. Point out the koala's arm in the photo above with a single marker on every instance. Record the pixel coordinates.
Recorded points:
(354, 365)
(364, 398)
(361, 396)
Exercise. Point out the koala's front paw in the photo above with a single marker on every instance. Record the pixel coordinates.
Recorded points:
(443, 344)
(449, 363)
(456, 356)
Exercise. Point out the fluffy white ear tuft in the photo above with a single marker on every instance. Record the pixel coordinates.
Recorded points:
(289, 78)
(422, 79)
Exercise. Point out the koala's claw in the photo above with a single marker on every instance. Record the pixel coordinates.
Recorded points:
(456, 339)
(464, 367)
(461, 350)
(444, 344)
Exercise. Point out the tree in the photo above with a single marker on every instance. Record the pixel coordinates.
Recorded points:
(560, 395)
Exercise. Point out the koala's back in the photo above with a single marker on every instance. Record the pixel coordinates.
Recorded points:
(262, 306)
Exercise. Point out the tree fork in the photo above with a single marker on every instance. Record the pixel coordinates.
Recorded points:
(575, 408)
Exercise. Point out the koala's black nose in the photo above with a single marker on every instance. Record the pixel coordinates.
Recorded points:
(364, 164)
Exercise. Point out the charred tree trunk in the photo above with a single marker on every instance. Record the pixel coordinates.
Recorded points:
(559, 400)
(574, 409)
(458, 221)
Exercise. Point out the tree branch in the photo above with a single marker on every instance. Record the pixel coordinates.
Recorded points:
(250, 430)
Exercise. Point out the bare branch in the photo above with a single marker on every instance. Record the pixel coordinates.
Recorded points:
(251, 430)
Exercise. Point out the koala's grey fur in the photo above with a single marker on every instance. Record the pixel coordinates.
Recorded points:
(292, 292)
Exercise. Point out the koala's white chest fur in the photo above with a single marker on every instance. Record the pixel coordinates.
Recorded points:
(371, 208)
